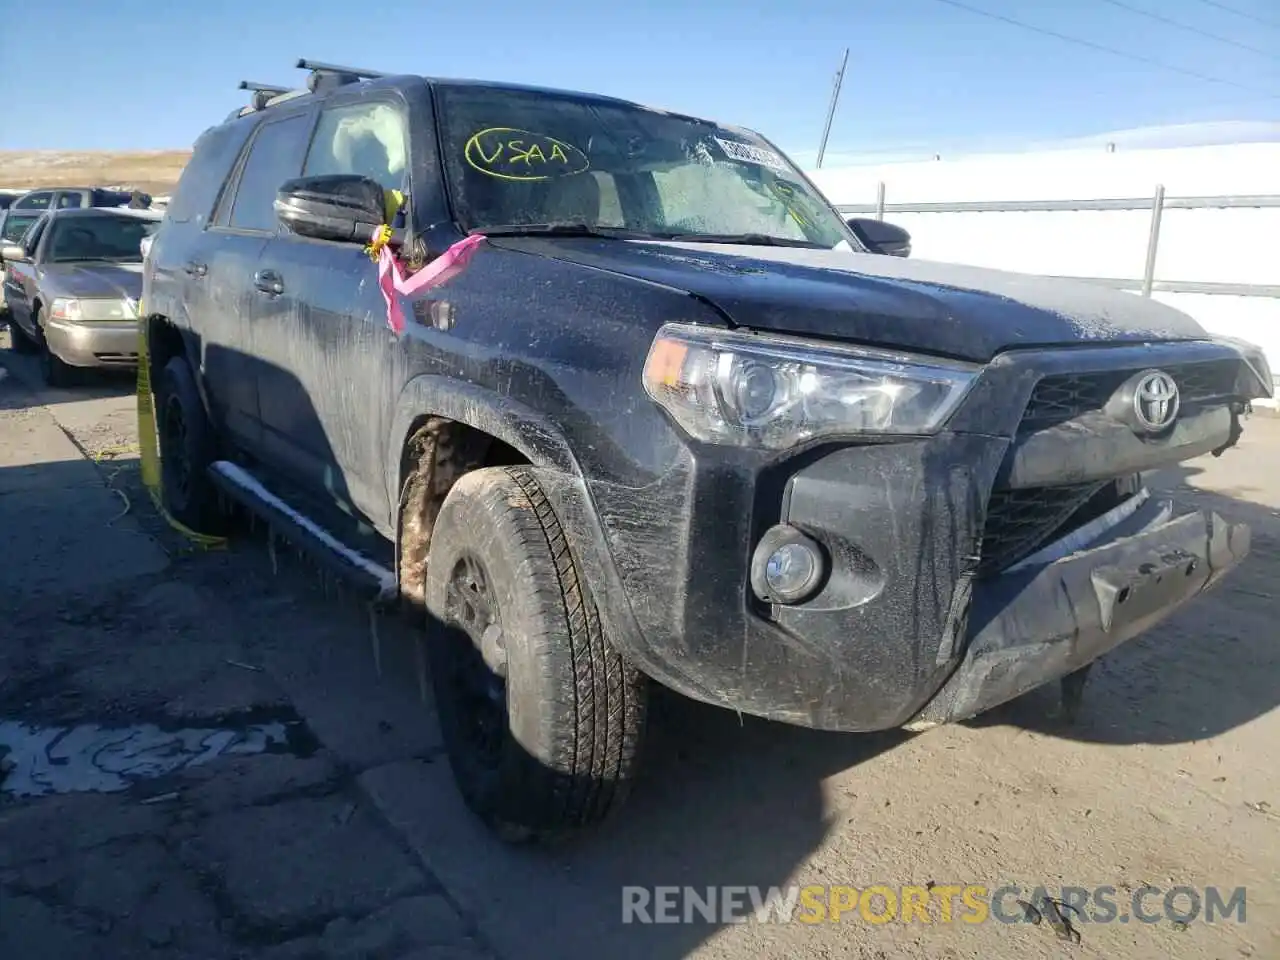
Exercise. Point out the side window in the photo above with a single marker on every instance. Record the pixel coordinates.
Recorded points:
(34, 201)
(367, 139)
(32, 238)
(16, 225)
(70, 199)
(274, 157)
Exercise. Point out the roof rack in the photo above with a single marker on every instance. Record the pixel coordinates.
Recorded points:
(262, 92)
(326, 76)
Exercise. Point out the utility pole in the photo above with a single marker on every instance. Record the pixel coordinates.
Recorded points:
(831, 111)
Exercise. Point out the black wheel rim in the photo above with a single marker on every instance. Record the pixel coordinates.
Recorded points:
(173, 439)
(480, 692)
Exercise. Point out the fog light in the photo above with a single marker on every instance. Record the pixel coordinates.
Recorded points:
(787, 566)
(790, 569)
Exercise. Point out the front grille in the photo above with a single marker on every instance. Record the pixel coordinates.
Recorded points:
(1064, 396)
(1021, 521)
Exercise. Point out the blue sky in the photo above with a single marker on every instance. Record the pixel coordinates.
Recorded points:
(923, 74)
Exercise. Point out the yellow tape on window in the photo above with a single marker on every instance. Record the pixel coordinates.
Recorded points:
(149, 445)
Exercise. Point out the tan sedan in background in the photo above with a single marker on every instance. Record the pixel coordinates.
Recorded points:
(72, 289)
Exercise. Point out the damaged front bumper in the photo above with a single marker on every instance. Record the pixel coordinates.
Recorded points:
(1057, 618)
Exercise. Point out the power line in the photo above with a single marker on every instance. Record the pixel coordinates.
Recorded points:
(1242, 13)
(1160, 18)
(1136, 57)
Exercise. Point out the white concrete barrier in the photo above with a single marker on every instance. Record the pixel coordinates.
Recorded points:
(1208, 246)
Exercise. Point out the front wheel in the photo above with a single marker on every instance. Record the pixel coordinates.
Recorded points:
(54, 371)
(19, 342)
(541, 717)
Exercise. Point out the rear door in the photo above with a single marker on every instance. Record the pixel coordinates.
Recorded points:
(221, 297)
(326, 383)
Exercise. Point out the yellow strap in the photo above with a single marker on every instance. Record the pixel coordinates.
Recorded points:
(381, 237)
(149, 445)
(393, 200)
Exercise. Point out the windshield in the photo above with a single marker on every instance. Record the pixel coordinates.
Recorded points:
(17, 224)
(523, 158)
(99, 238)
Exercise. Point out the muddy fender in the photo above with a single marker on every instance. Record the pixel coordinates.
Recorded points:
(557, 469)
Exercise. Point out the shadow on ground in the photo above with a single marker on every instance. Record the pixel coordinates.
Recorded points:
(91, 384)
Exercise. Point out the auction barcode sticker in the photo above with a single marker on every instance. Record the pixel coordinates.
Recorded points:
(749, 153)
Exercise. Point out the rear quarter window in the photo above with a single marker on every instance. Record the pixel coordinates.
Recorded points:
(212, 158)
(34, 201)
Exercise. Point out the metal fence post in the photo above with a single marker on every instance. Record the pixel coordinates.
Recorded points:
(1153, 240)
(880, 200)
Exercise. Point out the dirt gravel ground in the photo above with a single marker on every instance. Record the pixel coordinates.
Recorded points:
(153, 171)
(272, 796)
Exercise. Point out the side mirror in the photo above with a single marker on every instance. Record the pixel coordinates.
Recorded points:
(880, 237)
(340, 206)
(12, 252)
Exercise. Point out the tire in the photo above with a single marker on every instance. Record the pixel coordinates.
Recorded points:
(53, 370)
(19, 342)
(551, 745)
(187, 449)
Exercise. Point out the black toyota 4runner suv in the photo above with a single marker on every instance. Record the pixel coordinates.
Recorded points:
(675, 419)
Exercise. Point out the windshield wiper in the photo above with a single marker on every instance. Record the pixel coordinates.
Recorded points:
(582, 229)
(566, 229)
(747, 239)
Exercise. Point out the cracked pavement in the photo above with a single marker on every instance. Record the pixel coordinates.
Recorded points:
(108, 621)
(129, 659)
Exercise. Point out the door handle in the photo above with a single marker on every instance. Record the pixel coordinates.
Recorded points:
(269, 282)
(196, 269)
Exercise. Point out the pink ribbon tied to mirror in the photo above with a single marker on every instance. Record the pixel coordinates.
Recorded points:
(394, 284)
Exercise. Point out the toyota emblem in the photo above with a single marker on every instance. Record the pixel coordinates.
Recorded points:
(1155, 401)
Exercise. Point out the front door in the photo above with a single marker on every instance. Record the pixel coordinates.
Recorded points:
(326, 385)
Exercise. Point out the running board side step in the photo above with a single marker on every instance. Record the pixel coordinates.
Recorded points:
(366, 574)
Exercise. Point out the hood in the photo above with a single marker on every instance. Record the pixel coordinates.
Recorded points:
(947, 309)
(89, 280)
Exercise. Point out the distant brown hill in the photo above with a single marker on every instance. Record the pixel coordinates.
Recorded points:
(152, 171)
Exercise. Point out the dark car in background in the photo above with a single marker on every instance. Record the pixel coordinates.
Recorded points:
(73, 286)
(74, 198)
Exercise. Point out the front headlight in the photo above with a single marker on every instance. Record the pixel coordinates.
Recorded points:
(93, 311)
(774, 392)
